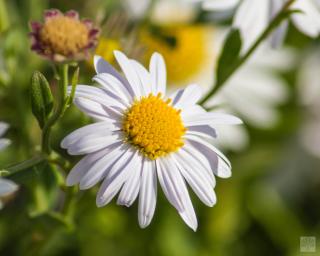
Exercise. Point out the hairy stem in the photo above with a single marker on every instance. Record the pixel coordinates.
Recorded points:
(24, 165)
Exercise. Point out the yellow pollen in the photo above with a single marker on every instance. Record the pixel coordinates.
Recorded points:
(153, 126)
(64, 35)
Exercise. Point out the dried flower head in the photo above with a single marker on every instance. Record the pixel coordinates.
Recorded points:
(63, 37)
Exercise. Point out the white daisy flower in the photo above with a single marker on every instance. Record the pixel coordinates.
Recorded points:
(309, 92)
(141, 136)
(7, 187)
(253, 16)
(3, 142)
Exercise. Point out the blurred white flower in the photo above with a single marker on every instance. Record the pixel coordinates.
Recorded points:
(134, 9)
(253, 16)
(254, 92)
(173, 12)
(7, 187)
(3, 142)
(161, 11)
(141, 135)
(309, 92)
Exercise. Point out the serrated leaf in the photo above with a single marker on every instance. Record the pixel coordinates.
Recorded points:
(229, 56)
(41, 98)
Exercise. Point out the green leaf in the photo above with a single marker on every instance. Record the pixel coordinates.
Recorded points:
(41, 98)
(229, 57)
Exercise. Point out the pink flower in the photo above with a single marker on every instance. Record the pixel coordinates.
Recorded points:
(63, 37)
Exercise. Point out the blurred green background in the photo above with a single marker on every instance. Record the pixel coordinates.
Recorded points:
(272, 199)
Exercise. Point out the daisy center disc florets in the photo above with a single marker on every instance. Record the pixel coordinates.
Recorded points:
(154, 126)
(64, 35)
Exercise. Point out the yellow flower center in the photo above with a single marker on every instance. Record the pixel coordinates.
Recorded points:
(154, 127)
(184, 48)
(64, 35)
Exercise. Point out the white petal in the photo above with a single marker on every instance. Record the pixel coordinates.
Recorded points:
(102, 66)
(187, 97)
(86, 131)
(91, 108)
(158, 74)
(198, 162)
(130, 189)
(308, 22)
(171, 182)
(211, 118)
(219, 5)
(192, 110)
(187, 213)
(90, 144)
(198, 182)
(204, 131)
(101, 168)
(209, 151)
(148, 193)
(113, 85)
(98, 95)
(7, 187)
(115, 178)
(144, 77)
(251, 18)
(79, 170)
(278, 36)
(129, 72)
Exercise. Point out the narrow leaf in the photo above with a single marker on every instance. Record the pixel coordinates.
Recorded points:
(229, 56)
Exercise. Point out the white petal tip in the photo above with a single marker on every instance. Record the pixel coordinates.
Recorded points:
(70, 182)
(224, 174)
(84, 186)
(100, 202)
(194, 228)
(123, 203)
(144, 220)
(117, 53)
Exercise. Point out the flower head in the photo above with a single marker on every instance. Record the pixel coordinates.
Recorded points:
(252, 17)
(63, 37)
(141, 135)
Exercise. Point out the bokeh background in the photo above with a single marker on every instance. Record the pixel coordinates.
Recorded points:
(273, 197)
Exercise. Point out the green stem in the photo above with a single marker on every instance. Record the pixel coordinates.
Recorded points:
(24, 165)
(274, 23)
(46, 132)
